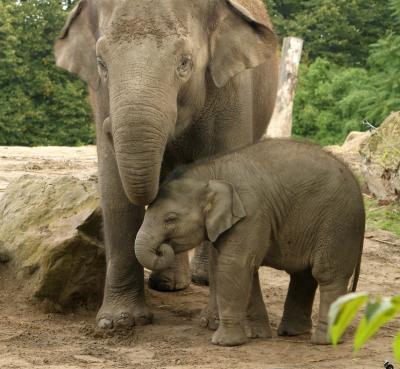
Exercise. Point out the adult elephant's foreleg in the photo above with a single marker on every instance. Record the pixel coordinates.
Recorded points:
(123, 302)
(199, 264)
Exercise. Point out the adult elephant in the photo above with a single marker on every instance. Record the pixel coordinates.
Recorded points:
(170, 82)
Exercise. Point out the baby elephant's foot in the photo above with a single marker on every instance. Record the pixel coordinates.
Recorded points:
(320, 335)
(209, 318)
(258, 329)
(229, 336)
(294, 327)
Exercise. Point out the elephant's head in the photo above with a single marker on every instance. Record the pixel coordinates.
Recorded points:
(184, 214)
(148, 64)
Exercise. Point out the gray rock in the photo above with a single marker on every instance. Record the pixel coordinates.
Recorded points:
(349, 151)
(50, 229)
(381, 159)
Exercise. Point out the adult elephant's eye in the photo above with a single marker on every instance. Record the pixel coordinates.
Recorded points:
(102, 67)
(185, 65)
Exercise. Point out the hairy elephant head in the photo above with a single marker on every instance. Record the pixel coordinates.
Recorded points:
(184, 214)
(149, 63)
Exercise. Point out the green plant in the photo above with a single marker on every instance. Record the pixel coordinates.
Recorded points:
(39, 103)
(344, 41)
(384, 216)
(378, 311)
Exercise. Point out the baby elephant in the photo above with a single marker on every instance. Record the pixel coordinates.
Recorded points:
(279, 203)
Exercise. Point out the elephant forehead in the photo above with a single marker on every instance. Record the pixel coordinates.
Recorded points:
(135, 20)
(181, 190)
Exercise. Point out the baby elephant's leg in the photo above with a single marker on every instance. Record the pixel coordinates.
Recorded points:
(257, 322)
(234, 280)
(296, 318)
(209, 316)
(333, 266)
(328, 294)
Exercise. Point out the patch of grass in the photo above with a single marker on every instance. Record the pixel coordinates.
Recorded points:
(383, 215)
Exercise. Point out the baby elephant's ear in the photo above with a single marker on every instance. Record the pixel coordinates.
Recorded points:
(223, 208)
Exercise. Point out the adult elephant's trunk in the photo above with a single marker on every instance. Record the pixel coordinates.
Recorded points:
(153, 254)
(140, 129)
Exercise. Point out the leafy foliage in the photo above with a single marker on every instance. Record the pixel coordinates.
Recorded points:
(329, 101)
(333, 100)
(336, 30)
(349, 72)
(39, 104)
(378, 311)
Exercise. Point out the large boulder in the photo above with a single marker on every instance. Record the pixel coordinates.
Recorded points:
(50, 234)
(349, 151)
(381, 159)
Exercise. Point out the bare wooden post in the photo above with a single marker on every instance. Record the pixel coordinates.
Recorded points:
(281, 121)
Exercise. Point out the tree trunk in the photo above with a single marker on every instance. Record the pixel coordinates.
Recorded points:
(281, 121)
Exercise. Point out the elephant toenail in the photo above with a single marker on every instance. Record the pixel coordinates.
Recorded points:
(203, 322)
(123, 316)
(105, 324)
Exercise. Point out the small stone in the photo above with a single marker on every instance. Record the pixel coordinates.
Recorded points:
(88, 359)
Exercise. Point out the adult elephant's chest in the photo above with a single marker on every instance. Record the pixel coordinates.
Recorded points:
(205, 139)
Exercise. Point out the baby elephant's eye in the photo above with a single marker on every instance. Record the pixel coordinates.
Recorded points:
(171, 218)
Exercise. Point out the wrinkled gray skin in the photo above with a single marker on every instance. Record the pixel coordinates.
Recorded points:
(170, 81)
(278, 203)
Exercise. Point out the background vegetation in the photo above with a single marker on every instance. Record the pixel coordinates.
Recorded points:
(39, 104)
(349, 71)
(383, 215)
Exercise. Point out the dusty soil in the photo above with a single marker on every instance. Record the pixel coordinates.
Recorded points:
(31, 338)
(48, 161)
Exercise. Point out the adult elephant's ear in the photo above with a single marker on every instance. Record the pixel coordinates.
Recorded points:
(243, 38)
(75, 49)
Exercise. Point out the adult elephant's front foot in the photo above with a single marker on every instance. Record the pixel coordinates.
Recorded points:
(123, 311)
(124, 304)
(175, 278)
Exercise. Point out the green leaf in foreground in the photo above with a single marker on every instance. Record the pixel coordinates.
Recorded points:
(342, 312)
(378, 312)
(396, 347)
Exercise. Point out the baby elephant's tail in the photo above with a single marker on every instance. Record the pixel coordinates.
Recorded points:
(357, 269)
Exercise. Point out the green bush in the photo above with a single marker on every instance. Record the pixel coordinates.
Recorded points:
(344, 79)
(336, 30)
(332, 100)
(328, 103)
(39, 104)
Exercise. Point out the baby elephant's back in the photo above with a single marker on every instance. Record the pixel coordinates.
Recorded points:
(324, 204)
(301, 164)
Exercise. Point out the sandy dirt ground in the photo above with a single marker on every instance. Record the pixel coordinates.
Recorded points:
(31, 338)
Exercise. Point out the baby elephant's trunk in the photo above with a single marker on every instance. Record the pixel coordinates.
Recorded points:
(153, 254)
